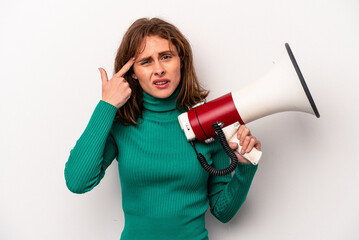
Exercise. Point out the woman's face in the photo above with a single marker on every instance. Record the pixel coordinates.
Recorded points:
(158, 67)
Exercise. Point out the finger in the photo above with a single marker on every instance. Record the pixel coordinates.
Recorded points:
(245, 133)
(251, 144)
(258, 145)
(245, 144)
(233, 145)
(104, 77)
(240, 130)
(243, 128)
(125, 68)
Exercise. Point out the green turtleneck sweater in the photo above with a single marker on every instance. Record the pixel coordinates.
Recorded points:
(165, 191)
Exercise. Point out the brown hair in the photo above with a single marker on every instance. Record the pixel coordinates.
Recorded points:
(190, 92)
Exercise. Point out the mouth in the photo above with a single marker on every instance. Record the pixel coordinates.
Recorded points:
(162, 83)
(159, 82)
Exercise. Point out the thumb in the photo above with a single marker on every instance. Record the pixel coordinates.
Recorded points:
(103, 75)
(233, 145)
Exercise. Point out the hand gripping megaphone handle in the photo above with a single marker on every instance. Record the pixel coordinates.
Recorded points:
(253, 156)
(231, 135)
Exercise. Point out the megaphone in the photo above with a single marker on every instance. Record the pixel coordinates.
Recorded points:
(283, 88)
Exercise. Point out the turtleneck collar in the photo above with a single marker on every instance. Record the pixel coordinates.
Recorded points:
(160, 104)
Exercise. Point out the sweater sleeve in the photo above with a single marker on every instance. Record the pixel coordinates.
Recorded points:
(93, 152)
(227, 193)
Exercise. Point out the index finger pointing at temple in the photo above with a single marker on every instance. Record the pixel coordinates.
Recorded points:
(125, 68)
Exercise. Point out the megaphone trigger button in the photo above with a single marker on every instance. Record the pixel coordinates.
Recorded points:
(220, 124)
(209, 140)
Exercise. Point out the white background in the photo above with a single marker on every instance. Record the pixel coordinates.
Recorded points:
(307, 184)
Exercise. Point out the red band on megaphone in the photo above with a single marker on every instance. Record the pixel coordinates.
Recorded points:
(221, 109)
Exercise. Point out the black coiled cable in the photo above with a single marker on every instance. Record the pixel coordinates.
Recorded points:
(234, 160)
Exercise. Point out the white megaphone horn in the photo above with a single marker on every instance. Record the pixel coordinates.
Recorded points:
(283, 88)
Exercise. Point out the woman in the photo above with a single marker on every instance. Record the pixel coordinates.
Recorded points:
(165, 191)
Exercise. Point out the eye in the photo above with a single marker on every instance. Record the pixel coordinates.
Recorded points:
(165, 57)
(144, 62)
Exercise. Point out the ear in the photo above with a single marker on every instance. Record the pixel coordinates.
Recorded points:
(133, 76)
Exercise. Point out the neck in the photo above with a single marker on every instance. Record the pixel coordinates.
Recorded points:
(160, 104)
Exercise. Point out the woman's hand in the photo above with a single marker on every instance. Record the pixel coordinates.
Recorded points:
(247, 141)
(117, 90)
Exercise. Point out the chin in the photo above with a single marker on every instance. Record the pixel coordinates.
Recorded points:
(162, 93)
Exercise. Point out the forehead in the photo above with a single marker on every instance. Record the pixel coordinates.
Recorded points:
(154, 45)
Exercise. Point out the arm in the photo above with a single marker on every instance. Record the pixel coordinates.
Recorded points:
(227, 193)
(94, 151)
(96, 148)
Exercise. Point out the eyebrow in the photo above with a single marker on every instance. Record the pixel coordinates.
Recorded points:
(160, 54)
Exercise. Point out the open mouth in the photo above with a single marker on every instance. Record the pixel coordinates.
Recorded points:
(161, 82)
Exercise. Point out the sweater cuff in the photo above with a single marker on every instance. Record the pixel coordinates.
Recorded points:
(107, 105)
(105, 110)
(102, 117)
(245, 171)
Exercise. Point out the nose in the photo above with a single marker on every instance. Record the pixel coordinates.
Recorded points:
(159, 69)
